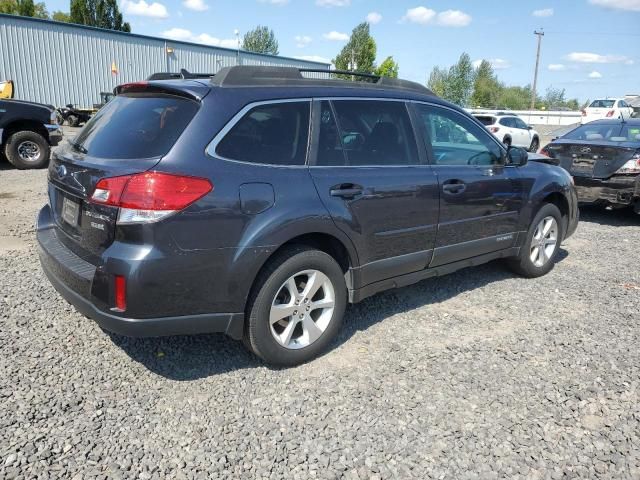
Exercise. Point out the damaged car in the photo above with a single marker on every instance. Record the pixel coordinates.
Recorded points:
(603, 157)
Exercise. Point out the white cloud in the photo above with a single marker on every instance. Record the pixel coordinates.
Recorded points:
(314, 58)
(333, 3)
(588, 57)
(374, 17)
(336, 36)
(556, 67)
(496, 63)
(196, 5)
(629, 5)
(182, 34)
(421, 15)
(447, 18)
(144, 9)
(275, 2)
(454, 18)
(545, 12)
(302, 40)
(595, 74)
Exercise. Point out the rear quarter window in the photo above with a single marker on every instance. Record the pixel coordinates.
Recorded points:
(486, 120)
(273, 134)
(136, 126)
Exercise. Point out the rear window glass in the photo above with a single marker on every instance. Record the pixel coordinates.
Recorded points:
(486, 120)
(136, 127)
(602, 104)
(274, 133)
(616, 132)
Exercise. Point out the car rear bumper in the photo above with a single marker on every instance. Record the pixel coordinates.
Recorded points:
(73, 278)
(617, 190)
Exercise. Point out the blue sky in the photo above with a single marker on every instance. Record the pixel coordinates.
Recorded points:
(590, 47)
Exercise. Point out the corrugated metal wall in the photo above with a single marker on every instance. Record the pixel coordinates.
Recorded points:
(58, 63)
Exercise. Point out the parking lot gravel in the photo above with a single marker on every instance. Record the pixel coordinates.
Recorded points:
(480, 374)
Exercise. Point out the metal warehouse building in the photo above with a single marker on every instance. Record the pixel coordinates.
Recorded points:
(60, 63)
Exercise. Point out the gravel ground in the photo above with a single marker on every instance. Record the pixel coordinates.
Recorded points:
(480, 374)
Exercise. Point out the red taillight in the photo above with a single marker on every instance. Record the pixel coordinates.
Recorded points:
(121, 293)
(151, 191)
(610, 113)
(494, 129)
(545, 152)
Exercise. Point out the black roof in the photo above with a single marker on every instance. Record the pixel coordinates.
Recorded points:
(268, 76)
(605, 121)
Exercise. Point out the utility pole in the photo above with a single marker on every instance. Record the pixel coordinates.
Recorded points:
(237, 34)
(540, 34)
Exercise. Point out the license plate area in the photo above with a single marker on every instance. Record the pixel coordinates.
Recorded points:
(583, 166)
(70, 211)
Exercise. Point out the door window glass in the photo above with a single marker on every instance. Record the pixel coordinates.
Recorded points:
(507, 122)
(520, 124)
(455, 139)
(367, 132)
(274, 133)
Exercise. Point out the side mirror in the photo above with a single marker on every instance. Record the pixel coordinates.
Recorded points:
(517, 156)
(529, 127)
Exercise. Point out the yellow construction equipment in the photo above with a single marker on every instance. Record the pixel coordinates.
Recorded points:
(6, 89)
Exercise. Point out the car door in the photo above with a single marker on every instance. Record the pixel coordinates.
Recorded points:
(480, 197)
(524, 133)
(375, 184)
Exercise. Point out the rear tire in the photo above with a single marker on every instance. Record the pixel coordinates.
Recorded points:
(73, 121)
(288, 323)
(537, 255)
(507, 141)
(27, 149)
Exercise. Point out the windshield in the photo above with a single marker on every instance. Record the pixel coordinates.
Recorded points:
(139, 126)
(602, 104)
(610, 132)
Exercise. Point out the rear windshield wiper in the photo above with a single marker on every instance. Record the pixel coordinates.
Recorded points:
(76, 146)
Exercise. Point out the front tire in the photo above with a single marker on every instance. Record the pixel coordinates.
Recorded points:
(27, 149)
(535, 144)
(537, 255)
(73, 121)
(298, 307)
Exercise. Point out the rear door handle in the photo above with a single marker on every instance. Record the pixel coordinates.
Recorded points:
(454, 187)
(346, 190)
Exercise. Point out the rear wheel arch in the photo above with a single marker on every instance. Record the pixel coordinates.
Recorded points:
(324, 242)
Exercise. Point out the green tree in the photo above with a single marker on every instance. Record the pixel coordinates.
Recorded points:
(438, 80)
(388, 68)
(554, 98)
(25, 8)
(515, 98)
(60, 16)
(98, 13)
(460, 86)
(486, 87)
(260, 40)
(359, 54)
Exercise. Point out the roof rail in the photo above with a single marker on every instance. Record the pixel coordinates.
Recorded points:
(182, 75)
(245, 76)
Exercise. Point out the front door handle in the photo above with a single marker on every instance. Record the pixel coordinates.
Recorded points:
(346, 190)
(454, 187)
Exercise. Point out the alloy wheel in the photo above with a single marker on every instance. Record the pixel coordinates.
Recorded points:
(544, 241)
(302, 309)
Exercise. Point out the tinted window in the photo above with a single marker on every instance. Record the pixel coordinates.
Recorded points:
(330, 151)
(367, 132)
(602, 104)
(455, 139)
(520, 124)
(612, 132)
(507, 122)
(274, 133)
(486, 120)
(136, 127)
